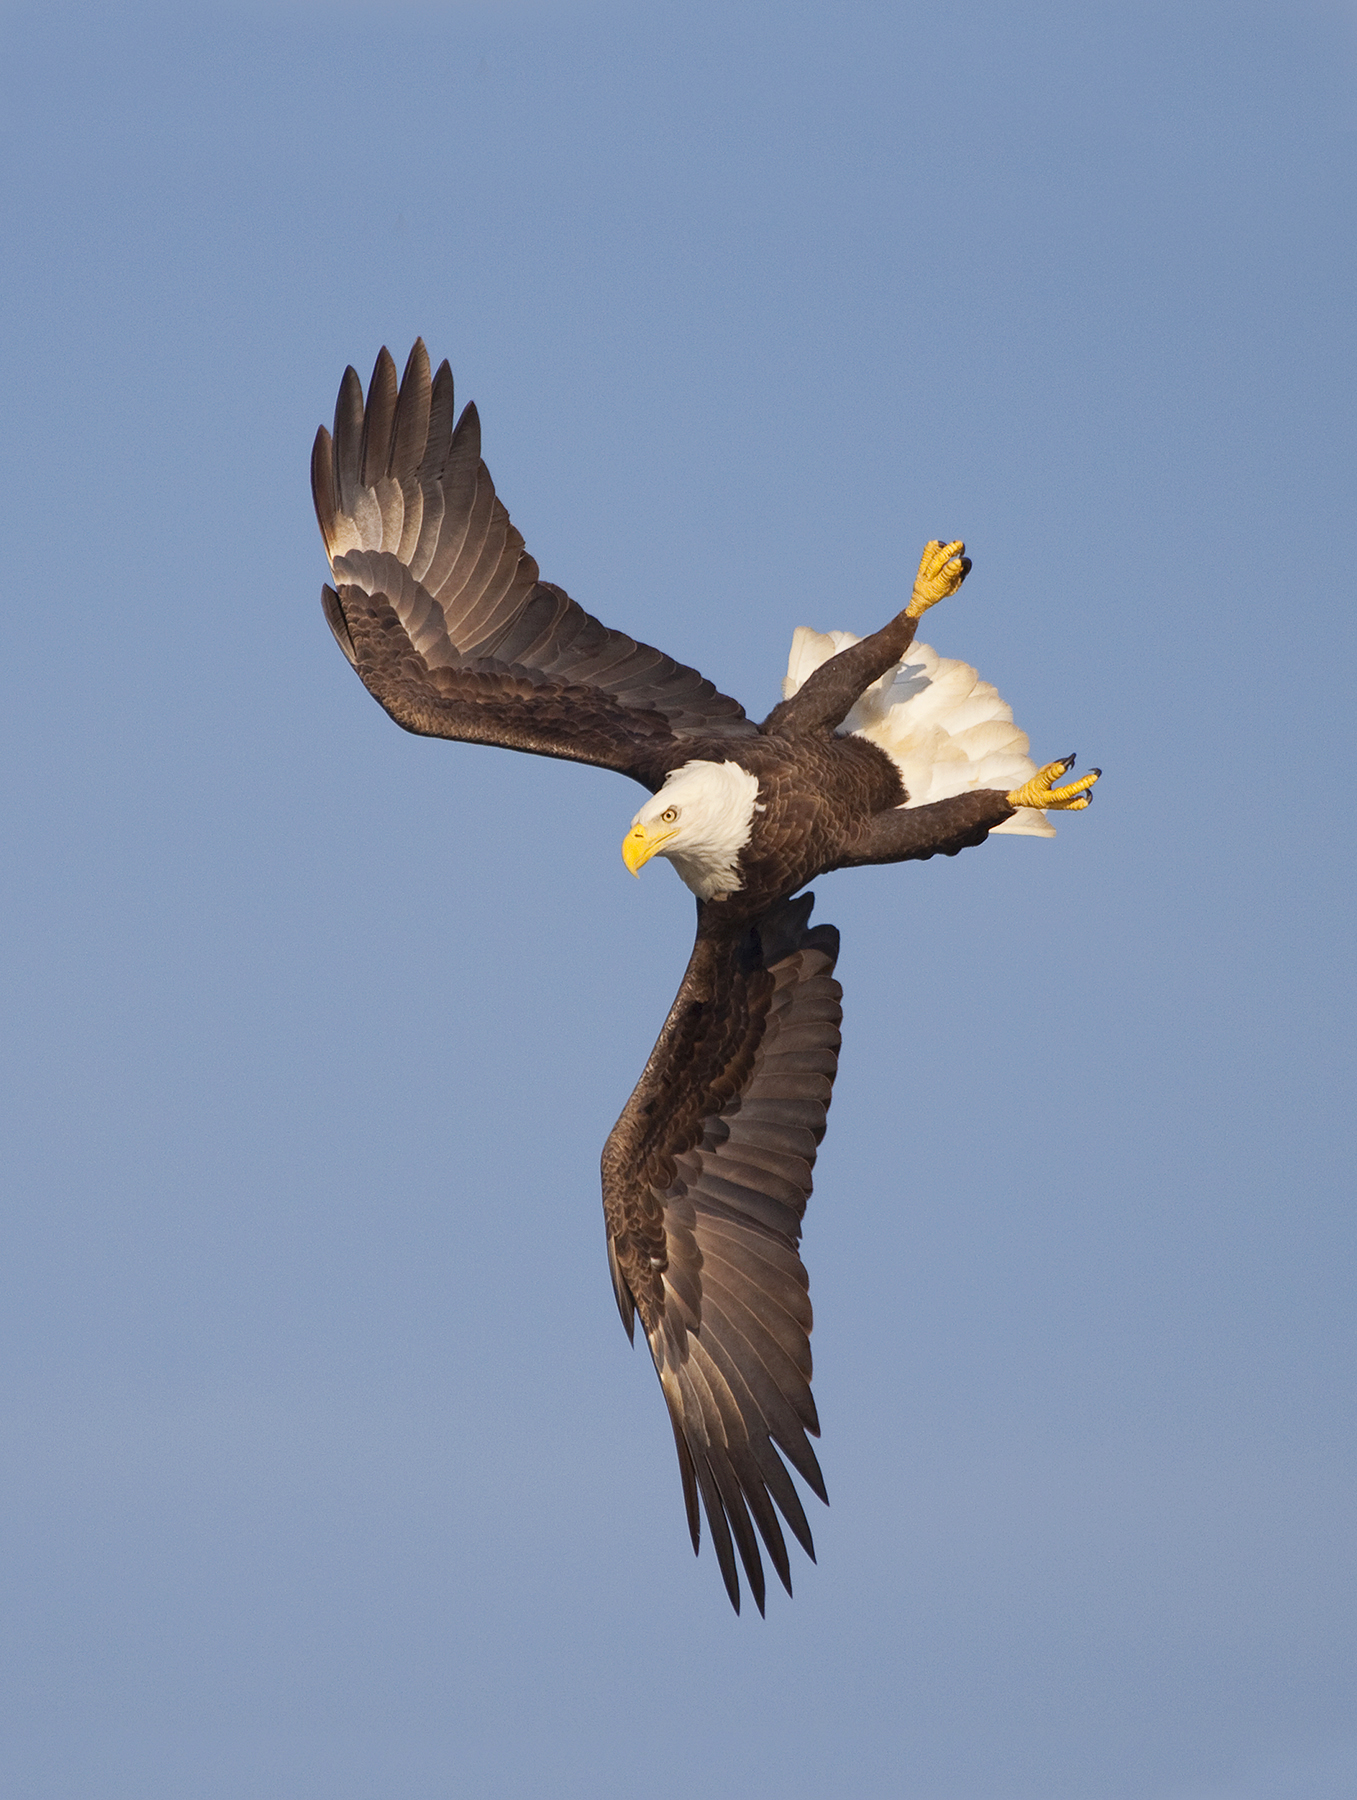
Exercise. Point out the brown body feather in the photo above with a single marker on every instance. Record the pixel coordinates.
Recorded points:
(706, 1175)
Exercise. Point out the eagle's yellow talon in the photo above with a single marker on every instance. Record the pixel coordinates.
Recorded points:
(942, 569)
(1040, 792)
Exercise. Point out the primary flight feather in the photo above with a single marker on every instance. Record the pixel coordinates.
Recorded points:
(879, 752)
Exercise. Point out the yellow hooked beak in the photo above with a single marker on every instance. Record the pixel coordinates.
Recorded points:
(641, 843)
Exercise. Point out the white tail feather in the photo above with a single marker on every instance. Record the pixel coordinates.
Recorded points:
(944, 729)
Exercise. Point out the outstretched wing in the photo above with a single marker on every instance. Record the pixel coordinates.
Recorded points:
(705, 1181)
(439, 607)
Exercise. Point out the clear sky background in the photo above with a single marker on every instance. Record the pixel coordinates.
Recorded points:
(330, 1473)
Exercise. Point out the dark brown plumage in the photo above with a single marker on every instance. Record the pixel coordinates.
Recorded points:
(706, 1175)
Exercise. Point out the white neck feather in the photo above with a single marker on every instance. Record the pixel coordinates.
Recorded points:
(715, 804)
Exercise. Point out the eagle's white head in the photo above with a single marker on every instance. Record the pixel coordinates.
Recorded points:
(701, 819)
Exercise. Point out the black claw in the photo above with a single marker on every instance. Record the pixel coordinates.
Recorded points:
(1070, 761)
(1095, 771)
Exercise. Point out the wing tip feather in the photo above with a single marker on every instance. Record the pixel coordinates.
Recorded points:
(324, 492)
(339, 626)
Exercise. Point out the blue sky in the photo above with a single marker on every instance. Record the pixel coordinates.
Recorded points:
(330, 1472)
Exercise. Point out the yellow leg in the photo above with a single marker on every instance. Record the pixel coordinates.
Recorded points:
(1074, 797)
(942, 569)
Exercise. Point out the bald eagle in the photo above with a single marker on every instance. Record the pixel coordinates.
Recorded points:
(879, 752)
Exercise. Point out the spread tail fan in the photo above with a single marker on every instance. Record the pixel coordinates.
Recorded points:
(944, 729)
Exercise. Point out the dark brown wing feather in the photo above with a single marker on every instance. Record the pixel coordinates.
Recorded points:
(425, 559)
(705, 1181)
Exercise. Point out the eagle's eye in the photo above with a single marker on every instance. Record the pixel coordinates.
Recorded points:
(669, 814)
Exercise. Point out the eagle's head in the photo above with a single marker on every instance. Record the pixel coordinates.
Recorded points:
(701, 819)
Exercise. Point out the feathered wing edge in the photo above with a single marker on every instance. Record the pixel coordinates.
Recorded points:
(704, 1219)
(947, 731)
(411, 521)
